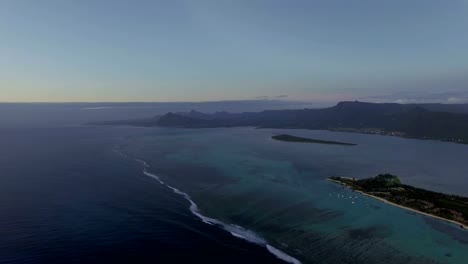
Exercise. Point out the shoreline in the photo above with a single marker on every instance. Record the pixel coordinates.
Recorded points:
(462, 226)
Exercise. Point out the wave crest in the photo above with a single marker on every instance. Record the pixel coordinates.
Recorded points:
(234, 230)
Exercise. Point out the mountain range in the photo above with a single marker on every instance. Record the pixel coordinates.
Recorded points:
(425, 121)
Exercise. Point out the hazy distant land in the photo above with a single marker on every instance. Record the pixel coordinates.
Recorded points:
(436, 122)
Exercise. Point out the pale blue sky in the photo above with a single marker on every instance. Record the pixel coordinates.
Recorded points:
(174, 50)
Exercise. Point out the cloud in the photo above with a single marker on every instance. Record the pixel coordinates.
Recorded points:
(97, 108)
(405, 101)
(266, 97)
(450, 97)
(457, 100)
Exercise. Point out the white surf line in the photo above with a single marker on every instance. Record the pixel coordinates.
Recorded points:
(234, 230)
(281, 255)
(142, 162)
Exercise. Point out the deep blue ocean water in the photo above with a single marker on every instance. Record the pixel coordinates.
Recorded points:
(67, 197)
(79, 194)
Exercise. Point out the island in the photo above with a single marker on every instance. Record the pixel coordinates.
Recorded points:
(290, 138)
(420, 121)
(388, 188)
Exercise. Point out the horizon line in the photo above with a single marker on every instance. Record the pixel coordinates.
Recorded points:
(153, 102)
(227, 101)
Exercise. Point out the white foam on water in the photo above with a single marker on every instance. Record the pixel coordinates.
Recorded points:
(237, 235)
(146, 165)
(151, 175)
(234, 230)
(281, 255)
(245, 234)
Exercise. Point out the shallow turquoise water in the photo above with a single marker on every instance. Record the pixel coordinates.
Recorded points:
(277, 189)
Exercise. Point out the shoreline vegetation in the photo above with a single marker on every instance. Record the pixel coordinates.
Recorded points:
(290, 138)
(388, 188)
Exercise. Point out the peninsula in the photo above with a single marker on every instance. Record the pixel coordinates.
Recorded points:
(388, 188)
(290, 138)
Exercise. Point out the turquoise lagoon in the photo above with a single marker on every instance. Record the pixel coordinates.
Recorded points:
(278, 190)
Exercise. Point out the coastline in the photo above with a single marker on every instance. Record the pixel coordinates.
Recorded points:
(462, 226)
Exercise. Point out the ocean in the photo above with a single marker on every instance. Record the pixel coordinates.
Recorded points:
(72, 193)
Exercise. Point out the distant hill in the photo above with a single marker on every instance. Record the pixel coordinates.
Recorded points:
(416, 121)
(451, 108)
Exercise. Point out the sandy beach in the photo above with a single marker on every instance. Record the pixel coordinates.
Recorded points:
(465, 227)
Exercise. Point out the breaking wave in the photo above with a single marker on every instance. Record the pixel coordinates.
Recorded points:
(234, 230)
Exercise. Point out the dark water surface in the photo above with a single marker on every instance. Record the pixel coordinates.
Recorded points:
(277, 189)
(79, 194)
(67, 197)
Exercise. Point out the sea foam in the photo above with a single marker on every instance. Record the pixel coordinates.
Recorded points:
(281, 255)
(234, 230)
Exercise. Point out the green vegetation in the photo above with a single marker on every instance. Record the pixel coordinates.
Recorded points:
(390, 188)
(290, 138)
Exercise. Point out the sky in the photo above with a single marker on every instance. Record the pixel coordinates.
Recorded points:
(204, 50)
